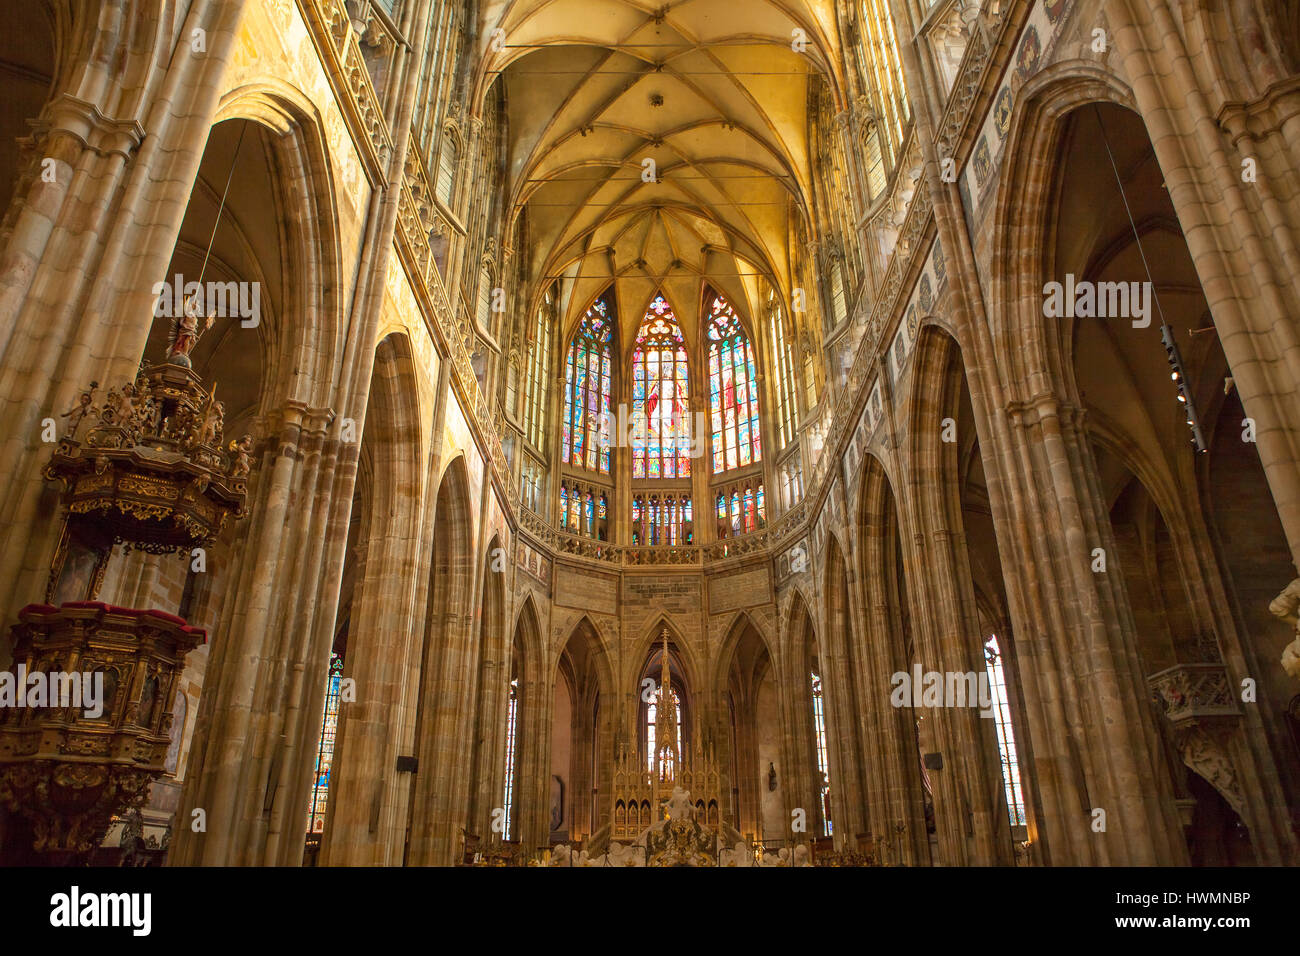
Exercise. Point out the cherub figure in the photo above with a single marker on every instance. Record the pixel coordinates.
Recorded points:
(146, 412)
(84, 406)
(146, 408)
(126, 405)
(214, 415)
(241, 460)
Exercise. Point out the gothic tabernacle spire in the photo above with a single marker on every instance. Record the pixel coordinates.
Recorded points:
(666, 717)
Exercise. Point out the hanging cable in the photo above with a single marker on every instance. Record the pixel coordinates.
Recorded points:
(1174, 357)
(234, 160)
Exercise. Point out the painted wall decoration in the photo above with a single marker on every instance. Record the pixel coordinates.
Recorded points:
(926, 296)
(1033, 51)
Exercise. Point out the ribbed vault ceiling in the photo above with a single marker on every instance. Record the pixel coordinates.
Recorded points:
(711, 90)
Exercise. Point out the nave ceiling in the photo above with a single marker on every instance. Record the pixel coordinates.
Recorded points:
(719, 101)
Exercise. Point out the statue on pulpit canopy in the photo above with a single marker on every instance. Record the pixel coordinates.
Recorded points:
(185, 331)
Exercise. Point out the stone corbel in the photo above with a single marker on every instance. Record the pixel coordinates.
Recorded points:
(1203, 752)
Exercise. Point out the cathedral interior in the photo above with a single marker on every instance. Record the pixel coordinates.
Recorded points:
(650, 432)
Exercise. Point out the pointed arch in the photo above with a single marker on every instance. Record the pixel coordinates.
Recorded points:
(647, 645)
(735, 427)
(934, 442)
(306, 351)
(371, 633)
(840, 665)
(661, 444)
(588, 382)
(741, 627)
(746, 687)
(686, 688)
(814, 759)
(1021, 209)
(584, 673)
(895, 786)
(446, 676)
(492, 697)
(523, 790)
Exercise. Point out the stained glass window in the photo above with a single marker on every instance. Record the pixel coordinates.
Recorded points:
(741, 510)
(809, 383)
(793, 485)
(881, 48)
(661, 436)
(537, 388)
(823, 765)
(733, 389)
(511, 717)
(783, 358)
(530, 481)
(839, 306)
(447, 167)
(485, 301)
(875, 162)
(1006, 735)
(662, 520)
(586, 391)
(325, 752)
(584, 511)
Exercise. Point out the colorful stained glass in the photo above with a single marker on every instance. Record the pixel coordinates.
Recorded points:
(586, 391)
(512, 719)
(733, 392)
(662, 520)
(660, 397)
(823, 765)
(325, 752)
(741, 511)
(1006, 734)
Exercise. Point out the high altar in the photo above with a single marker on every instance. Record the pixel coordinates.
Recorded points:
(668, 814)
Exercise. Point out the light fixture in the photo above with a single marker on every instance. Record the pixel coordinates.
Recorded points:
(1177, 372)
